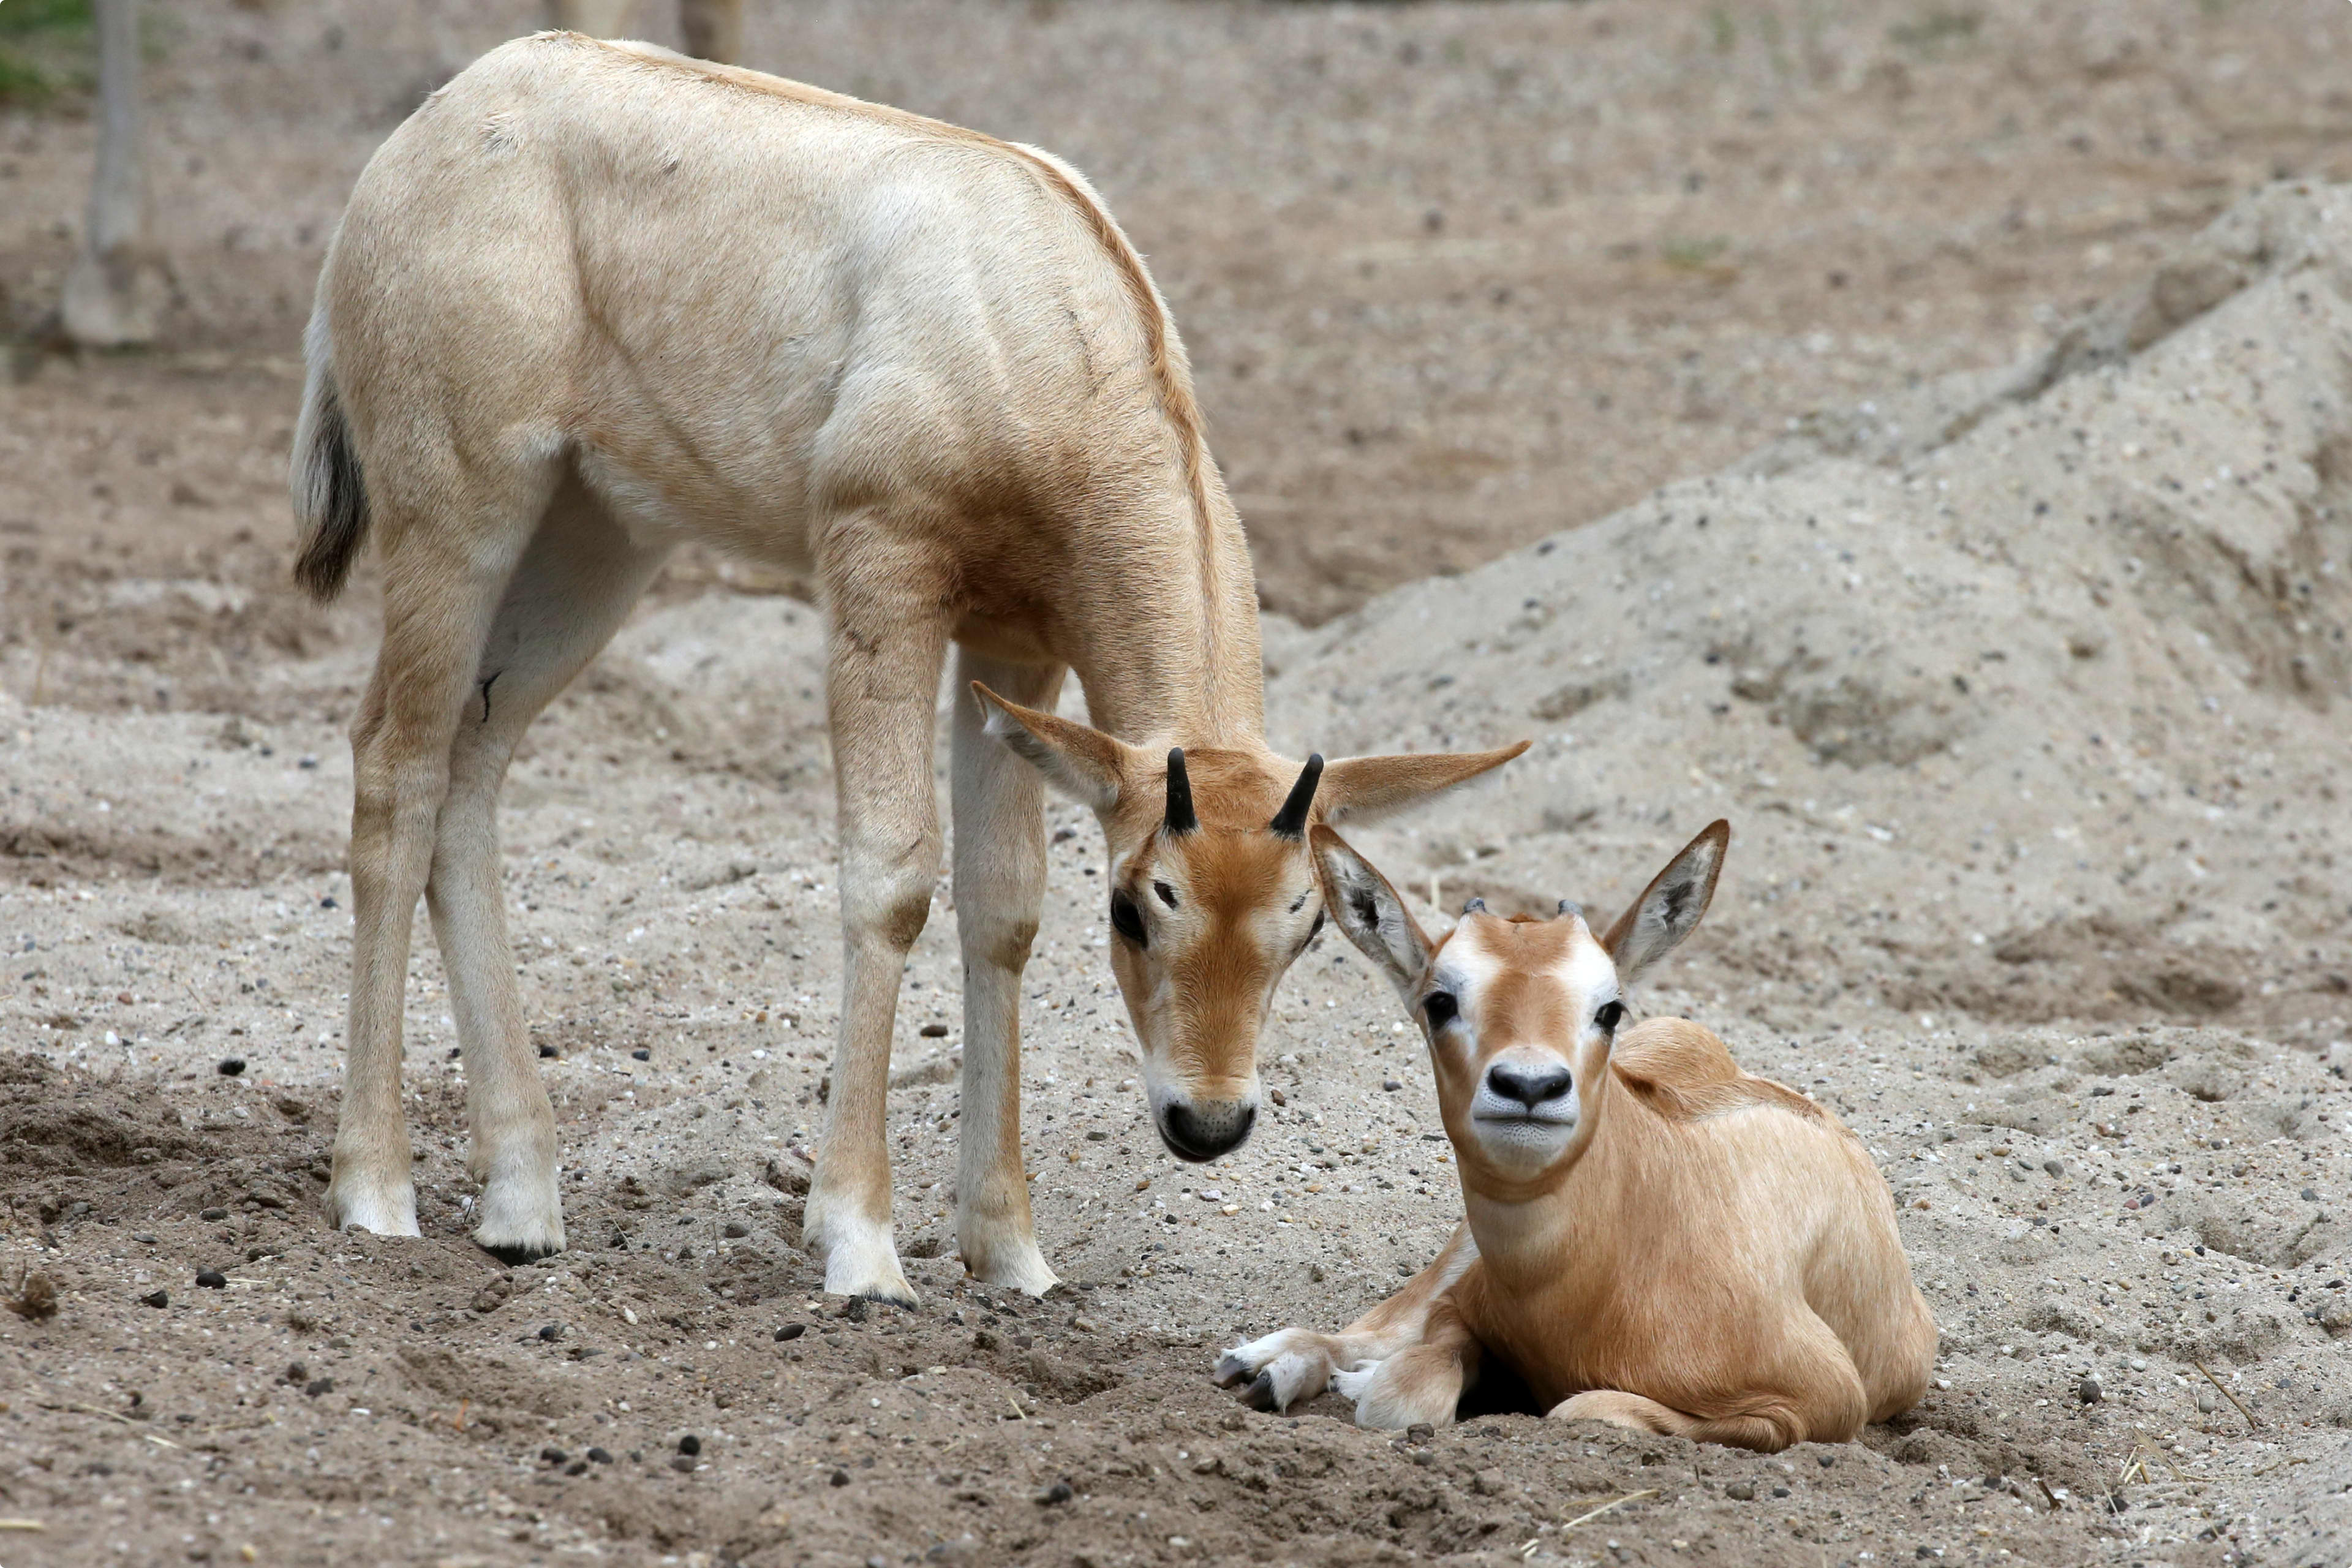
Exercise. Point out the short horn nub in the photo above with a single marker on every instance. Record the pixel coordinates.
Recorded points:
(1291, 820)
(1180, 816)
(1570, 906)
(1475, 906)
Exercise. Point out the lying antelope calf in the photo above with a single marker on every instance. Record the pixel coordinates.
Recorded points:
(1654, 1237)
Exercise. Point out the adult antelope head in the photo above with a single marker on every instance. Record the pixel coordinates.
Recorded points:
(1212, 892)
(1521, 1013)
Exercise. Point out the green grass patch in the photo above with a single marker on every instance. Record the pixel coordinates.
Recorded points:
(46, 47)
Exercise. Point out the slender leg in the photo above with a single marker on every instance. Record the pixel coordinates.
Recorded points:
(882, 681)
(1299, 1363)
(443, 571)
(1421, 1382)
(572, 590)
(1000, 883)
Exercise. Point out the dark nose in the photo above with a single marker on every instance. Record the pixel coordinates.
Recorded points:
(1206, 1130)
(1530, 1086)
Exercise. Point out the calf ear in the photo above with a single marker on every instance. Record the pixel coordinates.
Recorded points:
(1369, 911)
(1357, 789)
(1082, 763)
(1657, 922)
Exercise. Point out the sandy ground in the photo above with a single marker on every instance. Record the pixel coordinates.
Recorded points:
(2022, 687)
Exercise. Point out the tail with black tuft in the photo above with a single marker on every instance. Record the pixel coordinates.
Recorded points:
(330, 492)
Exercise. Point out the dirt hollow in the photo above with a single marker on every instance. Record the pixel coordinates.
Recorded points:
(1923, 436)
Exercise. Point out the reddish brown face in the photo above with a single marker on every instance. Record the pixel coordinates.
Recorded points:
(1204, 926)
(1212, 893)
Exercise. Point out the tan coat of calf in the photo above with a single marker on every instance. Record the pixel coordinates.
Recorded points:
(595, 299)
(1653, 1238)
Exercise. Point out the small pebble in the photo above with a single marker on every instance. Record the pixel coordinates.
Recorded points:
(600, 1456)
(681, 1464)
(1741, 1491)
(790, 1331)
(319, 1385)
(689, 1445)
(2055, 1167)
(2311, 1195)
(1059, 1493)
(933, 1031)
(736, 1230)
(841, 1477)
(2205, 1402)
(214, 1213)
(553, 1455)
(157, 1299)
(551, 1333)
(231, 1066)
(576, 1468)
(297, 1373)
(2089, 1392)
(212, 1279)
(546, 1053)
(1780, 1491)
(1391, 1085)
(643, 1055)
(142, 1238)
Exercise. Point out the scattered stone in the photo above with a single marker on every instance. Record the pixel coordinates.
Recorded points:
(553, 1455)
(1741, 1491)
(840, 1478)
(2311, 1195)
(157, 1299)
(933, 1031)
(493, 1295)
(641, 1054)
(790, 1331)
(297, 1373)
(2089, 1391)
(548, 1053)
(319, 1385)
(551, 1333)
(2055, 1167)
(142, 1238)
(689, 1445)
(214, 1214)
(576, 1468)
(600, 1457)
(1391, 1085)
(2206, 1403)
(1059, 1493)
(231, 1066)
(736, 1230)
(682, 1464)
(212, 1279)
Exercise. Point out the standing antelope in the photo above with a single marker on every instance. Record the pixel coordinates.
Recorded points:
(595, 298)
(1655, 1238)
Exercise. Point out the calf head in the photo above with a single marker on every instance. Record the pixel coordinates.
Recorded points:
(1212, 892)
(1520, 1014)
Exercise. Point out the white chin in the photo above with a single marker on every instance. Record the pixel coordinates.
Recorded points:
(1518, 1142)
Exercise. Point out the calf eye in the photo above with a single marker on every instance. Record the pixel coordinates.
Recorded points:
(1609, 1017)
(1125, 919)
(1442, 1009)
(1167, 894)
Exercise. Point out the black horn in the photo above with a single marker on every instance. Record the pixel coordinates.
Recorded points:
(1570, 906)
(1291, 820)
(1180, 816)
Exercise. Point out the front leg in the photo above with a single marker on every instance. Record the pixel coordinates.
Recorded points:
(1293, 1364)
(1000, 882)
(881, 684)
(1422, 1383)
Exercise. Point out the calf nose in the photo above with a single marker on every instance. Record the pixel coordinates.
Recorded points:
(1206, 1128)
(1530, 1086)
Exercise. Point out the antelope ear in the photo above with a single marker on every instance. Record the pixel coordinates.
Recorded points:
(1357, 789)
(1369, 911)
(1082, 762)
(1655, 924)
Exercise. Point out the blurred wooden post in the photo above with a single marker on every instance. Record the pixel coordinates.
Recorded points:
(712, 29)
(111, 294)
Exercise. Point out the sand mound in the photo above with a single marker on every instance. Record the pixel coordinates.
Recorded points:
(2037, 664)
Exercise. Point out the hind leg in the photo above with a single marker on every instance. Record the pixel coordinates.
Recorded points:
(572, 591)
(1803, 1390)
(446, 560)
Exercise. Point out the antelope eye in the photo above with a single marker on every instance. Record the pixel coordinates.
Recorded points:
(1125, 919)
(1167, 894)
(1609, 1015)
(1440, 1009)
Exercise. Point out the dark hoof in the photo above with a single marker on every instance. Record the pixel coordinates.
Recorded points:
(883, 1298)
(1259, 1395)
(1230, 1370)
(516, 1257)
